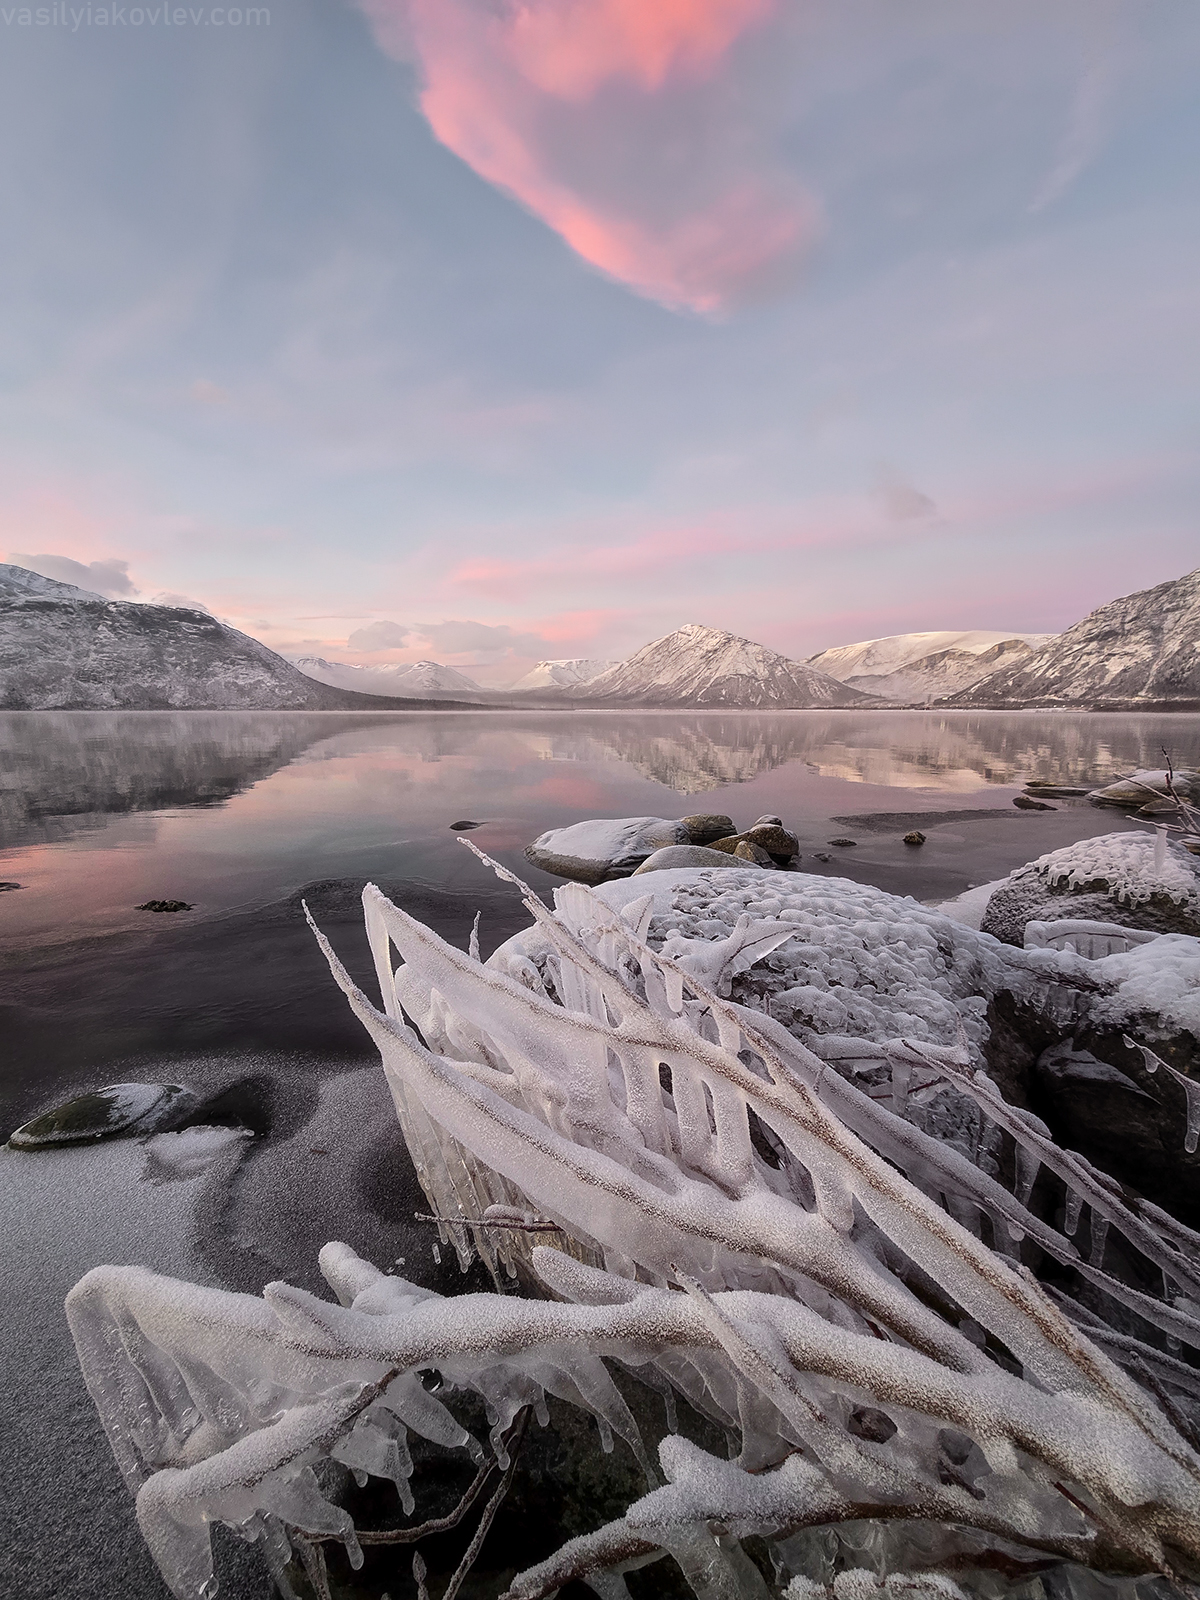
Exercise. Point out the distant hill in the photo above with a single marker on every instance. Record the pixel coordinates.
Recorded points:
(428, 679)
(698, 666)
(561, 674)
(924, 666)
(62, 648)
(1140, 651)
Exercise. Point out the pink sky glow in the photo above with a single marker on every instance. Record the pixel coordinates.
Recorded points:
(562, 107)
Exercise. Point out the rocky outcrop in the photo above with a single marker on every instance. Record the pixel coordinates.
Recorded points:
(1140, 651)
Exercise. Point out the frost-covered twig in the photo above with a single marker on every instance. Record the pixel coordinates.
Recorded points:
(827, 1278)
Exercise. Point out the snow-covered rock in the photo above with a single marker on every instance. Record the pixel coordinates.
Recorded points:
(562, 674)
(603, 847)
(62, 648)
(1143, 649)
(1148, 787)
(1135, 879)
(924, 666)
(699, 666)
(427, 680)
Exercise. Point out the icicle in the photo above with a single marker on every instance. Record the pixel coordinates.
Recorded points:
(1191, 1089)
(1099, 1237)
(419, 1570)
(1160, 849)
(473, 947)
(1028, 1167)
(901, 1074)
(673, 987)
(1071, 1212)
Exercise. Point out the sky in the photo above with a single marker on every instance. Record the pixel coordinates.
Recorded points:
(492, 330)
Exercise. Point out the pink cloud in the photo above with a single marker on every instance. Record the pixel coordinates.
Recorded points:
(606, 118)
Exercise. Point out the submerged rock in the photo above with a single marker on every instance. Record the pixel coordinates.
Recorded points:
(118, 1111)
(1024, 803)
(164, 905)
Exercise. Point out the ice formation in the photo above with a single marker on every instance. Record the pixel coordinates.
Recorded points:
(738, 1220)
(1132, 867)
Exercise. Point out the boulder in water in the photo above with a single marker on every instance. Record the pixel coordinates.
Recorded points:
(604, 847)
(118, 1111)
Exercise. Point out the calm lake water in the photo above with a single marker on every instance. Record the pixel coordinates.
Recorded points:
(236, 812)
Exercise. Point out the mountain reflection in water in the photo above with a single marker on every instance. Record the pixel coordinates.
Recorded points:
(67, 771)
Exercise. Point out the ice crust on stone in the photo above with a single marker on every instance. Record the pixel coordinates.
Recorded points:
(1134, 866)
(738, 1218)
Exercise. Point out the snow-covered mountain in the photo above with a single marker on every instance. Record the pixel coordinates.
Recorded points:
(562, 674)
(698, 666)
(1141, 650)
(924, 666)
(63, 648)
(426, 680)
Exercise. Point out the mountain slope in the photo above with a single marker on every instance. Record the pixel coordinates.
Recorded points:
(924, 666)
(698, 666)
(428, 679)
(62, 648)
(561, 674)
(1140, 650)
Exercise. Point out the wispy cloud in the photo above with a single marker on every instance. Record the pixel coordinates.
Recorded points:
(110, 578)
(608, 120)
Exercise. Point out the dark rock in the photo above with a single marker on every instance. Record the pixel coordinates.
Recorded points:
(821, 856)
(843, 844)
(915, 837)
(868, 1422)
(1065, 1067)
(747, 850)
(4, 886)
(118, 1111)
(706, 826)
(164, 905)
(728, 844)
(762, 822)
(462, 827)
(1024, 803)
(775, 839)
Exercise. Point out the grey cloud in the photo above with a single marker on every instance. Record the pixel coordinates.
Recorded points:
(109, 578)
(453, 638)
(902, 500)
(378, 636)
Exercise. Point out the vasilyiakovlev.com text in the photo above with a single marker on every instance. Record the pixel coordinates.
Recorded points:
(162, 16)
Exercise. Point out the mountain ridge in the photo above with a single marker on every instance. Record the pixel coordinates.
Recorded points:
(1140, 650)
(701, 666)
(66, 649)
(427, 679)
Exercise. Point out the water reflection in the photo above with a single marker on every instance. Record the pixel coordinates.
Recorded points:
(64, 772)
(894, 749)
